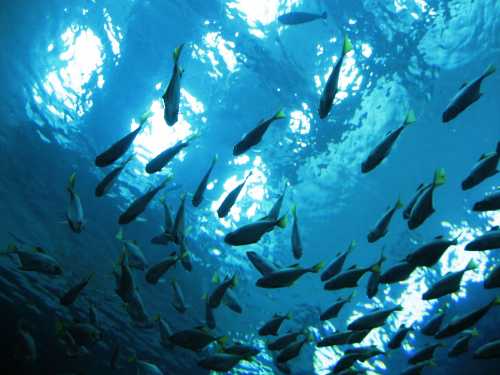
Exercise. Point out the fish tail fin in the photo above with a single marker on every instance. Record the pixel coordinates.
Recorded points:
(399, 204)
(347, 47)
(72, 182)
(398, 308)
(317, 267)
(491, 69)
(496, 301)
(294, 210)
(222, 340)
(90, 277)
(432, 363)
(234, 281)
(11, 249)
(166, 181)
(324, 15)
(282, 222)
(410, 117)
(439, 177)
(473, 332)
(162, 199)
(471, 265)
(145, 117)
(215, 158)
(279, 115)
(177, 53)
(128, 160)
(119, 235)
(289, 316)
(192, 137)
(132, 359)
(352, 245)
(498, 148)
(215, 278)
(60, 328)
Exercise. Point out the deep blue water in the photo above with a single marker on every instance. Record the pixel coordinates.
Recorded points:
(77, 75)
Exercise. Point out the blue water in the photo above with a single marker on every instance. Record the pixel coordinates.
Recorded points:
(76, 76)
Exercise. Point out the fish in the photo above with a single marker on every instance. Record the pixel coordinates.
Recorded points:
(334, 310)
(448, 284)
(382, 226)
(350, 277)
(195, 339)
(137, 311)
(372, 320)
(351, 356)
(165, 333)
(215, 298)
(274, 213)
(138, 206)
(115, 357)
(399, 272)
(202, 186)
(144, 367)
(431, 327)
(254, 136)
(92, 314)
(331, 88)
(418, 368)
(72, 294)
(260, 263)
(74, 213)
(167, 234)
(35, 261)
(231, 302)
(185, 256)
(399, 336)
(286, 277)
(488, 351)
(420, 189)
(241, 349)
(466, 96)
(493, 279)
(252, 233)
(178, 299)
(163, 158)
(298, 18)
(24, 345)
(460, 324)
(424, 354)
(336, 265)
(109, 180)
(291, 351)
(373, 284)
(461, 345)
(429, 254)
(423, 207)
(222, 362)
(125, 283)
(155, 272)
(209, 316)
(271, 327)
(382, 150)
(490, 202)
(487, 241)
(120, 148)
(283, 341)
(485, 167)
(136, 258)
(231, 198)
(83, 333)
(296, 241)
(172, 95)
(343, 338)
(178, 231)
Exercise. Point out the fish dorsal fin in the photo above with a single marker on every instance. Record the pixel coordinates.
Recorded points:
(486, 155)
(440, 237)
(352, 267)
(463, 85)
